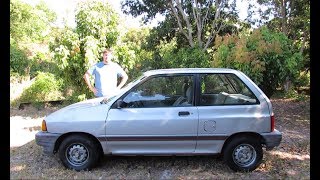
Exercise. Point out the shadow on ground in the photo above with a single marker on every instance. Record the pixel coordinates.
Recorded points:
(28, 161)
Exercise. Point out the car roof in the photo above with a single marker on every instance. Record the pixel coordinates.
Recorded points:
(189, 70)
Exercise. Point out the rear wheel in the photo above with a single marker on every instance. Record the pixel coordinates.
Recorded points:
(79, 152)
(243, 154)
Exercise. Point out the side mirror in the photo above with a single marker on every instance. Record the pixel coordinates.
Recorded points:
(121, 104)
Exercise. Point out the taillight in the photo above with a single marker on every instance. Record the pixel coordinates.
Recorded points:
(272, 122)
(43, 126)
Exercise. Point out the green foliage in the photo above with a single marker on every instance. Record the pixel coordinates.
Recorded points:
(68, 56)
(44, 13)
(303, 80)
(41, 62)
(193, 23)
(191, 58)
(46, 87)
(292, 93)
(28, 23)
(125, 56)
(291, 17)
(77, 50)
(76, 97)
(71, 60)
(129, 53)
(20, 16)
(19, 62)
(167, 55)
(29, 26)
(99, 20)
(164, 52)
(268, 58)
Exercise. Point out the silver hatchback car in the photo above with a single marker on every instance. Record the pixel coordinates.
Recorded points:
(190, 111)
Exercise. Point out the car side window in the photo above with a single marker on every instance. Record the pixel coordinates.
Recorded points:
(224, 89)
(161, 91)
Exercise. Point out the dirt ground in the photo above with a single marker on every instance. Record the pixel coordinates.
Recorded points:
(290, 160)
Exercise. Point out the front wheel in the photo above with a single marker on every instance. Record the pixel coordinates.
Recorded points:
(78, 152)
(243, 154)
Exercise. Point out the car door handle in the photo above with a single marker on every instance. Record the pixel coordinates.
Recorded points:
(184, 113)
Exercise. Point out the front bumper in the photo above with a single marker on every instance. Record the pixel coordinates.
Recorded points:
(47, 141)
(272, 139)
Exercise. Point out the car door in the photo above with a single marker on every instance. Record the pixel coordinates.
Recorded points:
(226, 106)
(158, 117)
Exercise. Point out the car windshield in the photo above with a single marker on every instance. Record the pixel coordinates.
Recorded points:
(134, 81)
(125, 88)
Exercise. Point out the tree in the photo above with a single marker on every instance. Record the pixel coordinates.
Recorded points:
(292, 17)
(129, 52)
(198, 21)
(29, 26)
(77, 50)
(99, 20)
(267, 57)
(28, 23)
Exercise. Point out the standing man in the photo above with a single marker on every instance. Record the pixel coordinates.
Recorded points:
(106, 75)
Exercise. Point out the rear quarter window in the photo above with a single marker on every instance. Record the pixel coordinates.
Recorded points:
(224, 89)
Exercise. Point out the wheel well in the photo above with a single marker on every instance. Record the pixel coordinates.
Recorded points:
(90, 136)
(242, 134)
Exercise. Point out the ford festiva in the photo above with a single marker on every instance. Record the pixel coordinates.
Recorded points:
(187, 111)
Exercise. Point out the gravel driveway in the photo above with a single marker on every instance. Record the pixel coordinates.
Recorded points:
(23, 130)
(24, 124)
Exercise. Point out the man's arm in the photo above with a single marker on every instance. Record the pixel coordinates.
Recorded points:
(86, 77)
(124, 79)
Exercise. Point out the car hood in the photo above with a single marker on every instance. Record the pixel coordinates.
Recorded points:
(87, 110)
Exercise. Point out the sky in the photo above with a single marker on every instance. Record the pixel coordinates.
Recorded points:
(65, 9)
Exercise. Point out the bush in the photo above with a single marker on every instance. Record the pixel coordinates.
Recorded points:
(41, 62)
(190, 58)
(19, 62)
(167, 55)
(77, 97)
(295, 95)
(303, 80)
(267, 57)
(45, 88)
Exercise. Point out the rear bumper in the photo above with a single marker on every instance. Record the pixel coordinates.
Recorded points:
(47, 141)
(272, 139)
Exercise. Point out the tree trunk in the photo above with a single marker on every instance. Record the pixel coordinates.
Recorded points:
(283, 16)
(303, 42)
(287, 84)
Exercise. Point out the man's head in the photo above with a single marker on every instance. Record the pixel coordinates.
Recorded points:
(107, 56)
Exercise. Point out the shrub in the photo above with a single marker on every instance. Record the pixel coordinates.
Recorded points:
(268, 58)
(190, 58)
(292, 93)
(167, 55)
(45, 88)
(41, 62)
(19, 62)
(303, 80)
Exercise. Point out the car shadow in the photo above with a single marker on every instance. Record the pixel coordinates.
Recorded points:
(29, 159)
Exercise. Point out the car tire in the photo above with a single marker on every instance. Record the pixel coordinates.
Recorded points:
(78, 152)
(243, 154)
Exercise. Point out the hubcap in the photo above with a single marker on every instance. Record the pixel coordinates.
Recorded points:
(77, 154)
(244, 155)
